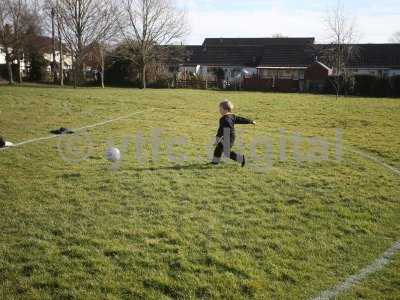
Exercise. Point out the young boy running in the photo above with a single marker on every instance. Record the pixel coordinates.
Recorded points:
(226, 134)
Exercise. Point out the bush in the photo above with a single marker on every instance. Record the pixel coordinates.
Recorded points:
(380, 87)
(3, 72)
(38, 71)
(395, 86)
(363, 84)
(368, 86)
(120, 72)
(346, 86)
(162, 83)
(372, 86)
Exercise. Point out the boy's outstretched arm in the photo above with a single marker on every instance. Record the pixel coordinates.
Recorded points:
(241, 120)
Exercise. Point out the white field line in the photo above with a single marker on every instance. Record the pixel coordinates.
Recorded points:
(374, 159)
(75, 130)
(351, 281)
(379, 263)
(375, 266)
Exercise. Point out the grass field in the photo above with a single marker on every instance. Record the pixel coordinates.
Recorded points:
(157, 229)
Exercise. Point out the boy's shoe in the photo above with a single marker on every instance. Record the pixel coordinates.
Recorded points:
(214, 163)
(243, 161)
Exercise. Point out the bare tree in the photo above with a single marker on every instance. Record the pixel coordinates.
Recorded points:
(54, 23)
(17, 19)
(6, 37)
(341, 49)
(97, 60)
(20, 16)
(12, 15)
(146, 25)
(102, 62)
(32, 47)
(53, 38)
(85, 23)
(396, 38)
(60, 49)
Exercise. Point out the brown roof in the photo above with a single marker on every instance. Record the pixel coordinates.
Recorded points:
(370, 55)
(293, 52)
(288, 56)
(45, 43)
(376, 56)
(283, 52)
(259, 42)
(224, 56)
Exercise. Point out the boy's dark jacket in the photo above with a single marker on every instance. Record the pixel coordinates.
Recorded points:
(228, 122)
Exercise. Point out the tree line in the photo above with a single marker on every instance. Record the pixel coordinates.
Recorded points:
(137, 31)
(130, 40)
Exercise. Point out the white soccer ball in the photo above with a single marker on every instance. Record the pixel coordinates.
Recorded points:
(113, 154)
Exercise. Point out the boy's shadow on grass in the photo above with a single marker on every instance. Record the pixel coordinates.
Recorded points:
(198, 166)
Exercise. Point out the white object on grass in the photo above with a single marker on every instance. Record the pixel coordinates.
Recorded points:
(113, 154)
(9, 144)
(51, 137)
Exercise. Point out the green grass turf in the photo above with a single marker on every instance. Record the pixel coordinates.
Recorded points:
(159, 230)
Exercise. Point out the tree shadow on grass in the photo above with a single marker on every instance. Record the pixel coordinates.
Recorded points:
(198, 166)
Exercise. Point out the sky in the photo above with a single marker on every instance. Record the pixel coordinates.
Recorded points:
(376, 21)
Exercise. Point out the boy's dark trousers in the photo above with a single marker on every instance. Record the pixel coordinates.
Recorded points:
(222, 148)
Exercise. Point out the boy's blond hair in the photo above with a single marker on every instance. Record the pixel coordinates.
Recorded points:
(227, 105)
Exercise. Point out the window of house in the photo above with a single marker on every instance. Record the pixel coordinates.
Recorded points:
(267, 74)
(286, 74)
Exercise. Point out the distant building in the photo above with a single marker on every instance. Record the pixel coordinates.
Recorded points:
(376, 60)
(2, 56)
(3, 59)
(45, 44)
(284, 64)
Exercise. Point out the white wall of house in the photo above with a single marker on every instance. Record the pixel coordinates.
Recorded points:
(47, 56)
(231, 73)
(393, 72)
(66, 58)
(2, 56)
(185, 72)
(281, 73)
(367, 71)
(379, 72)
(3, 59)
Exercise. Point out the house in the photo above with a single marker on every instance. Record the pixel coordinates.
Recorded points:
(3, 61)
(45, 45)
(260, 63)
(2, 56)
(376, 59)
(283, 64)
(316, 75)
(237, 56)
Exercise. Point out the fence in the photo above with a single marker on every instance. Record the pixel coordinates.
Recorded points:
(197, 84)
